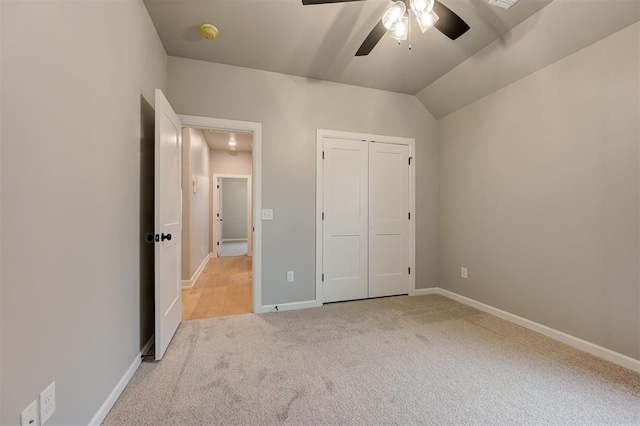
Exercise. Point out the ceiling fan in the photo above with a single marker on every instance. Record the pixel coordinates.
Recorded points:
(396, 19)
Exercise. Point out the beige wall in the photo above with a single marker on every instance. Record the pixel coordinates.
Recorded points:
(227, 162)
(185, 247)
(539, 196)
(291, 109)
(195, 206)
(73, 310)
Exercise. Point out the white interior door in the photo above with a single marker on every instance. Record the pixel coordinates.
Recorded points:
(345, 201)
(388, 219)
(168, 300)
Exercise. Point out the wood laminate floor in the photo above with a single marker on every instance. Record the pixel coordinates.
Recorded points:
(223, 288)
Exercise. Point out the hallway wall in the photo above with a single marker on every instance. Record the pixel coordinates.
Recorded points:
(195, 205)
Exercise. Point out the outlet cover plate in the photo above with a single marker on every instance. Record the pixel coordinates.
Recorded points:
(464, 273)
(267, 214)
(29, 417)
(290, 276)
(47, 402)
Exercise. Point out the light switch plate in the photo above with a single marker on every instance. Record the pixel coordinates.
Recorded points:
(267, 214)
(464, 273)
(290, 276)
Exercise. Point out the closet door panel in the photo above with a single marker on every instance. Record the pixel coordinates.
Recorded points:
(388, 219)
(345, 225)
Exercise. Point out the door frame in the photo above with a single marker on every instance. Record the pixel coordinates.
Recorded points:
(363, 137)
(256, 174)
(217, 176)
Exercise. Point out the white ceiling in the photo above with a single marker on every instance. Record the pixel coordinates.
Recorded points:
(319, 41)
(218, 140)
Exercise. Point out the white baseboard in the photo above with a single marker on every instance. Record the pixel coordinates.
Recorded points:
(106, 406)
(289, 306)
(187, 284)
(424, 291)
(233, 240)
(583, 345)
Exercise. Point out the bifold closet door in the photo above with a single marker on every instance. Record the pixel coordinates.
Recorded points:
(388, 219)
(345, 225)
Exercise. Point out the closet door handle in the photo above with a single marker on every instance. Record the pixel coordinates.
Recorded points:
(165, 237)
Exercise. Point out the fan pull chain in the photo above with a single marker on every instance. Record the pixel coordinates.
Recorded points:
(409, 29)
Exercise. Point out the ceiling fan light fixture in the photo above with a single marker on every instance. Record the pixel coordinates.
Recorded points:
(421, 6)
(393, 15)
(427, 20)
(401, 31)
(232, 143)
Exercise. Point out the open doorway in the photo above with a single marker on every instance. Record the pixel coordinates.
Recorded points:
(217, 223)
(233, 215)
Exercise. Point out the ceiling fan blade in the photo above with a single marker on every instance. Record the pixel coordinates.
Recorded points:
(308, 2)
(372, 39)
(449, 23)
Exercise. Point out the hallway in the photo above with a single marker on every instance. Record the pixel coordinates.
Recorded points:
(223, 288)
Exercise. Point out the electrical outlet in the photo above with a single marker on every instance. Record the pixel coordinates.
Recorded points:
(267, 214)
(463, 272)
(47, 402)
(29, 417)
(290, 276)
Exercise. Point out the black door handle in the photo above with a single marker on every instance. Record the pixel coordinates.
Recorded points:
(165, 237)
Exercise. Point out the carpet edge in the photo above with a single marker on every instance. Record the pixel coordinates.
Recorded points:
(106, 406)
(575, 342)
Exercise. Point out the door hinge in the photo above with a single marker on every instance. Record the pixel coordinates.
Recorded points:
(410, 160)
(323, 155)
(322, 277)
(217, 214)
(409, 270)
(322, 215)
(218, 186)
(217, 243)
(409, 215)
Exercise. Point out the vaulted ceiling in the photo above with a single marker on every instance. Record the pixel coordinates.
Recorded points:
(319, 42)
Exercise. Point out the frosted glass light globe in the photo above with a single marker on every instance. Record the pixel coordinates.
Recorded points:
(420, 7)
(393, 15)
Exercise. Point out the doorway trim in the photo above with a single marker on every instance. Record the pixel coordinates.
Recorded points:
(363, 137)
(250, 219)
(256, 129)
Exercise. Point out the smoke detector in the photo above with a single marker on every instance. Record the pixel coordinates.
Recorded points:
(505, 4)
(209, 31)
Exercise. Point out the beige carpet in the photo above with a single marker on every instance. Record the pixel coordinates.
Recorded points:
(400, 360)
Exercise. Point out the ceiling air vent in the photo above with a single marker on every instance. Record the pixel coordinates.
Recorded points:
(505, 4)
